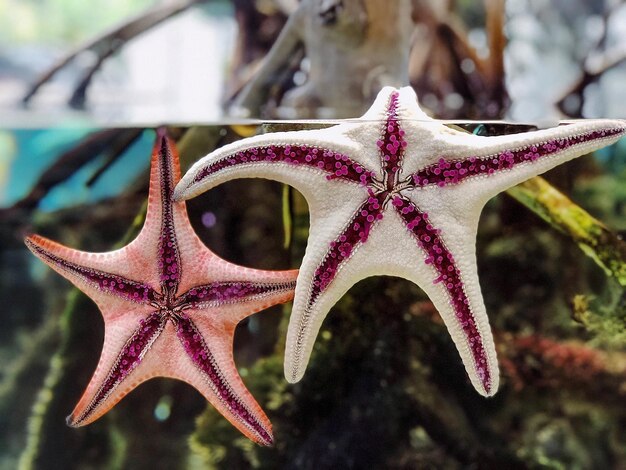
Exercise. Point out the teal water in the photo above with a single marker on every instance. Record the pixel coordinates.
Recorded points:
(27, 153)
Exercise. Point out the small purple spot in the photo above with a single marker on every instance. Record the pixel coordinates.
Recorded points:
(209, 219)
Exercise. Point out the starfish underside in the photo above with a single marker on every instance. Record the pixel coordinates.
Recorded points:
(397, 193)
(170, 308)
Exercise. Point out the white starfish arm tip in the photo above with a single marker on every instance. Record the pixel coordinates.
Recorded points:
(182, 192)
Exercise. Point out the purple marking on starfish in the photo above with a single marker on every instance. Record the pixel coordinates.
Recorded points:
(168, 254)
(201, 355)
(447, 172)
(128, 359)
(356, 232)
(392, 143)
(227, 292)
(113, 284)
(334, 164)
(437, 255)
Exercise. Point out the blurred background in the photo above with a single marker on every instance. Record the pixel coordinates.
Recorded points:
(180, 61)
(82, 85)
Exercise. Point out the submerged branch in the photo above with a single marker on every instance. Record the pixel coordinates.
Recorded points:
(602, 245)
(69, 162)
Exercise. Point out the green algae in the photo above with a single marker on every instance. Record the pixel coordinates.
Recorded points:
(606, 248)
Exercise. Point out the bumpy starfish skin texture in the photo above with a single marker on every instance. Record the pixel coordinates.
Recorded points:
(396, 193)
(170, 307)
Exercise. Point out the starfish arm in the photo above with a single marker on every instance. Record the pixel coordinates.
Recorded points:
(218, 294)
(392, 143)
(328, 251)
(493, 164)
(212, 371)
(454, 289)
(158, 249)
(303, 159)
(119, 370)
(165, 165)
(91, 272)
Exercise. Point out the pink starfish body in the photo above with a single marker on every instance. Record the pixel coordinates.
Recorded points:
(170, 308)
(396, 193)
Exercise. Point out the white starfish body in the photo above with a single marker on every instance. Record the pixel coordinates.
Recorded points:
(396, 193)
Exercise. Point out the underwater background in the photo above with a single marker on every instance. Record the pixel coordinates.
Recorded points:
(385, 387)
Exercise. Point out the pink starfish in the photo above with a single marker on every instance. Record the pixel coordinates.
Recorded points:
(170, 308)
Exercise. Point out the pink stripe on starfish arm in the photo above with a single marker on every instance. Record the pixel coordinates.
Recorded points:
(437, 255)
(197, 349)
(219, 293)
(356, 232)
(128, 359)
(168, 254)
(108, 283)
(392, 143)
(446, 172)
(336, 165)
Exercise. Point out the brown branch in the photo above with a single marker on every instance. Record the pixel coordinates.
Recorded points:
(256, 33)
(67, 164)
(495, 12)
(354, 49)
(111, 41)
(591, 72)
(78, 98)
(440, 69)
(590, 75)
(118, 147)
(256, 92)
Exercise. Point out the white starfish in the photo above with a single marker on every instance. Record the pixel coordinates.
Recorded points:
(396, 193)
